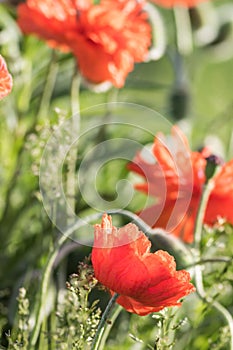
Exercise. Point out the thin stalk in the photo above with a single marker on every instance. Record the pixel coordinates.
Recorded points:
(183, 30)
(172, 243)
(209, 29)
(207, 188)
(111, 98)
(43, 338)
(202, 294)
(48, 87)
(102, 324)
(43, 292)
(198, 269)
(70, 181)
(75, 89)
(228, 318)
(52, 330)
(115, 313)
(221, 259)
(74, 131)
(159, 37)
(134, 217)
(43, 107)
(47, 274)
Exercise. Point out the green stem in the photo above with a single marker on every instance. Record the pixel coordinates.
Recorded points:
(207, 188)
(115, 313)
(43, 291)
(111, 98)
(70, 182)
(134, 217)
(159, 237)
(47, 274)
(159, 37)
(183, 30)
(74, 131)
(228, 318)
(202, 294)
(100, 330)
(221, 259)
(209, 29)
(43, 107)
(198, 269)
(48, 88)
(75, 89)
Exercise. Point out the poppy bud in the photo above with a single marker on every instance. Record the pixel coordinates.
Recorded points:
(213, 162)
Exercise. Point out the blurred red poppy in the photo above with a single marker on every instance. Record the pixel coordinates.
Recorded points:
(173, 3)
(146, 282)
(179, 185)
(106, 38)
(5, 79)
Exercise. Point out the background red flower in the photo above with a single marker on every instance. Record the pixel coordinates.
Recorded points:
(169, 181)
(107, 39)
(5, 79)
(221, 198)
(147, 282)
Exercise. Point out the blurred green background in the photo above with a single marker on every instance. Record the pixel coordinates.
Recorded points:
(193, 91)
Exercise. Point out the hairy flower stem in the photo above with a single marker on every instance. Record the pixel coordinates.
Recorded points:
(42, 111)
(71, 161)
(207, 188)
(222, 259)
(74, 132)
(110, 103)
(48, 87)
(47, 274)
(115, 313)
(102, 325)
(43, 291)
(198, 269)
(159, 39)
(75, 88)
(183, 30)
(160, 238)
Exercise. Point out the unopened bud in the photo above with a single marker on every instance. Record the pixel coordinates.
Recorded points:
(213, 162)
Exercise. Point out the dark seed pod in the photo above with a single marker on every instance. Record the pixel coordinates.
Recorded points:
(179, 102)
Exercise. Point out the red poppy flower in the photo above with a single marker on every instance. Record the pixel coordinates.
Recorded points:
(106, 38)
(173, 3)
(146, 282)
(5, 79)
(178, 191)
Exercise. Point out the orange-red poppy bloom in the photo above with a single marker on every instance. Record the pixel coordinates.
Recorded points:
(178, 191)
(106, 38)
(5, 79)
(173, 3)
(146, 282)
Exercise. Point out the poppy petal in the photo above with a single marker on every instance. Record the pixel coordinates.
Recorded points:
(177, 202)
(147, 282)
(106, 38)
(5, 79)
